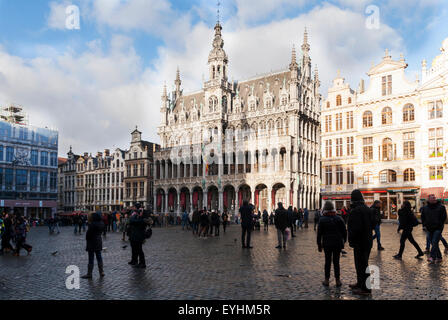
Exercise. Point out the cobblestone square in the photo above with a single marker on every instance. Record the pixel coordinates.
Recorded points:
(181, 266)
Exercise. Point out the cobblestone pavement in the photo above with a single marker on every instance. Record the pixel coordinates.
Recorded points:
(181, 266)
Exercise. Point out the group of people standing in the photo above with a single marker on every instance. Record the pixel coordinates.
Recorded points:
(205, 223)
(14, 228)
(137, 227)
(333, 233)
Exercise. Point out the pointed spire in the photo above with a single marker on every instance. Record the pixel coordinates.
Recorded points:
(178, 82)
(293, 64)
(164, 91)
(316, 73)
(305, 45)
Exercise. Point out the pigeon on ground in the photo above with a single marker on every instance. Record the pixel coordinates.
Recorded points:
(124, 247)
(55, 253)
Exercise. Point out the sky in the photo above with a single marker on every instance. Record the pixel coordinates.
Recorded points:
(96, 83)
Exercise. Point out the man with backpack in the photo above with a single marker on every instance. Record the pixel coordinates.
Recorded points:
(377, 221)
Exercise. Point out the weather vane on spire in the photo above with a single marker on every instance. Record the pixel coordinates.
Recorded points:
(218, 12)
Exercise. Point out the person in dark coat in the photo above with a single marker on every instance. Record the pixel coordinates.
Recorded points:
(300, 217)
(433, 219)
(359, 227)
(316, 219)
(20, 232)
(295, 219)
(407, 221)
(376, 208)
(203, 221)
(265, 220)
(247, 220)
(94, 244)
(137, 227)
(195, 221)
(216, 222)
(281, 223)
(105, 219)
(225, 220)
(76, 219)
(331, 236)
(291, 220)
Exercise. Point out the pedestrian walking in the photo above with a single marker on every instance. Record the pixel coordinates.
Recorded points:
(94, 243)
(433, 219)
(247, 218)
(376, 208)
(281, 223)
(331, 237)
(359, 227)
(20, 231)
(407, 222)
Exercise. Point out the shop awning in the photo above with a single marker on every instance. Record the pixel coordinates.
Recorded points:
(438, 192)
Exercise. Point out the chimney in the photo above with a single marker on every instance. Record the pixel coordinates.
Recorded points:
(106, 152)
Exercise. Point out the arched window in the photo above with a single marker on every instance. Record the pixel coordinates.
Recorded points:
(387, 176)
(284, 101)
(328, 104)
(349, 100)
(338, 100)
(367, 120)
(388, 152)
(409, 175)
(408, 113)
(367, 177)
(386, 116)
(213, 104)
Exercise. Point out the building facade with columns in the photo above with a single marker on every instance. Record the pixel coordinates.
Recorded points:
(389, 140)
(256, 139)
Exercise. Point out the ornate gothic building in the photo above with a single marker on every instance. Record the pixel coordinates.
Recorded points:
(256, 139)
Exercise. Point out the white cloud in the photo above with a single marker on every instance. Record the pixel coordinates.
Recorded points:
(97, 97)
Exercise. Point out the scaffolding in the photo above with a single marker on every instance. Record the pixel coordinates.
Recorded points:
(14, 114)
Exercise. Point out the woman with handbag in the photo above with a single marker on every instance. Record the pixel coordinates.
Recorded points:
(331, 237)
(407, 221)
